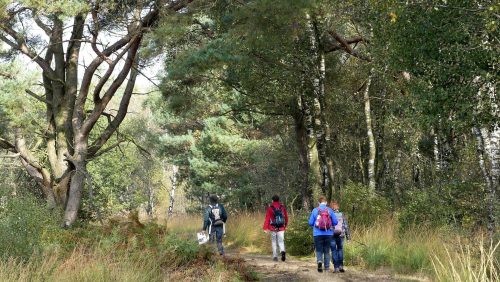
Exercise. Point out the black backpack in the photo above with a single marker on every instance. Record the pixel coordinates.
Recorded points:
(278, 219)
(216, 215)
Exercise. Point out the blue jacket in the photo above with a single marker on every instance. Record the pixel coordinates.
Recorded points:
(312, 221)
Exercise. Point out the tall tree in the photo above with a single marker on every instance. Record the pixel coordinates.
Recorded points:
(115, 31)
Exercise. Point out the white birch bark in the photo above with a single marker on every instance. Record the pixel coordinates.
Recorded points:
(369, 131)
(173, 182)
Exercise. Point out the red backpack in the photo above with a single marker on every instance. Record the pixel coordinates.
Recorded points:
(324, 220)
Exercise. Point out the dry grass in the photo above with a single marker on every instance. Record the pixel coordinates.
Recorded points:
(242, 230)
(468, 264)
(430, 252)
(419, 250)
(83, 265)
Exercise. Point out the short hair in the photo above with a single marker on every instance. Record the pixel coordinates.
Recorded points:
(322, 199)
(214, 199)
(334, 202)
(275, 198)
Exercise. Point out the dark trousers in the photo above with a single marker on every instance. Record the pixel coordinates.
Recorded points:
(216, 234)
(322, 244)
(337, 251)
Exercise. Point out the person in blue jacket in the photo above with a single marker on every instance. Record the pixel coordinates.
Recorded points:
(323, 221)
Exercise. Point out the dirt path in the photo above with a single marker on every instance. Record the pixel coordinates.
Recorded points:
(304, 270)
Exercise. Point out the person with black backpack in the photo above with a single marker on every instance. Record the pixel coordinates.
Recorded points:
(214, 219)
(275, 223)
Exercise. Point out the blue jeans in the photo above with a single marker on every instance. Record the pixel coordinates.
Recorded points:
(217, 233)
(337, 251)
(322, 244)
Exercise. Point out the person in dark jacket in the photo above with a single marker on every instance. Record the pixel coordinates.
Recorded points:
(275, 223)
(214, 219)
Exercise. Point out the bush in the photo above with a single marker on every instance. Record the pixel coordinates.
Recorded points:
(456, 204)
(27, 226)
(361, 206)
(299, 238)
(180, 252)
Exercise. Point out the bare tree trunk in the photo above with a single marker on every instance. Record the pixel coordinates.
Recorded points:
(361, 163)
(491, 142)
(371, 140)
(77, 180)
(173, 182)
(480, 154)
(320, 120)
(397, 177)
(435, 150)
(301, 137)
(34, 168)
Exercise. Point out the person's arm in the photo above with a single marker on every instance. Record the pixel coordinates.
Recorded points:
(312, 219)
(346, 229)
(267, 221)
(206, 220)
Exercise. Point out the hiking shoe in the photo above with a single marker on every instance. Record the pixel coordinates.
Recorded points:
(275, 259)
(336, 270)
(283, 256)
(320, 267)
(341, 269)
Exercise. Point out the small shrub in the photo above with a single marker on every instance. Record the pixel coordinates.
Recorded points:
(179, 252)
(299, 236)
(27, 226)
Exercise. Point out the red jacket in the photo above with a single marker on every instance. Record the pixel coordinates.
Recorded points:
(270, 215)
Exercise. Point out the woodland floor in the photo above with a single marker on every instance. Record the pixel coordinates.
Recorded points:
(294, 269)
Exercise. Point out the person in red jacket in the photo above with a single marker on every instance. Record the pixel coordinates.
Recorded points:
(275, 223)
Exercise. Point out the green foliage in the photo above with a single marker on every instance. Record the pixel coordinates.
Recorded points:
(360, 206)
(178, 252)
(64, 7)
(27, 227)
(299, 236)
(455, 204)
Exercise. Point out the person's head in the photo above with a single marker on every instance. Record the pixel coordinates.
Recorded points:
(334, 205)
(213, 199)
(322, 199)
(275, 198)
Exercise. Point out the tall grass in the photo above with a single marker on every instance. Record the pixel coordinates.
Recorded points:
(417, 250)
(383, 245)
(131, 251)
(467, 265)
(126, 251)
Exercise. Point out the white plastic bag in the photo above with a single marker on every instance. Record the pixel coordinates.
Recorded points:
(202, 238)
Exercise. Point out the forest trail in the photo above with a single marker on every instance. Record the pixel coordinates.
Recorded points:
(294, 269)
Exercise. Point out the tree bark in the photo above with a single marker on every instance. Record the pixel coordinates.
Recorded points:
(302, 140)
(173, 182)
(371, 139)
(320, 106)
(491, 145)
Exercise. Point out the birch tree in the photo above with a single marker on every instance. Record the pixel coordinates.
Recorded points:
(369, 132)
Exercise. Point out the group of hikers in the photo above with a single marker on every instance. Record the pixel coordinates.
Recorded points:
(329, 230)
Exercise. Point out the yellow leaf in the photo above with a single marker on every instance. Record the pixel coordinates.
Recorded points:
(393, 17)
